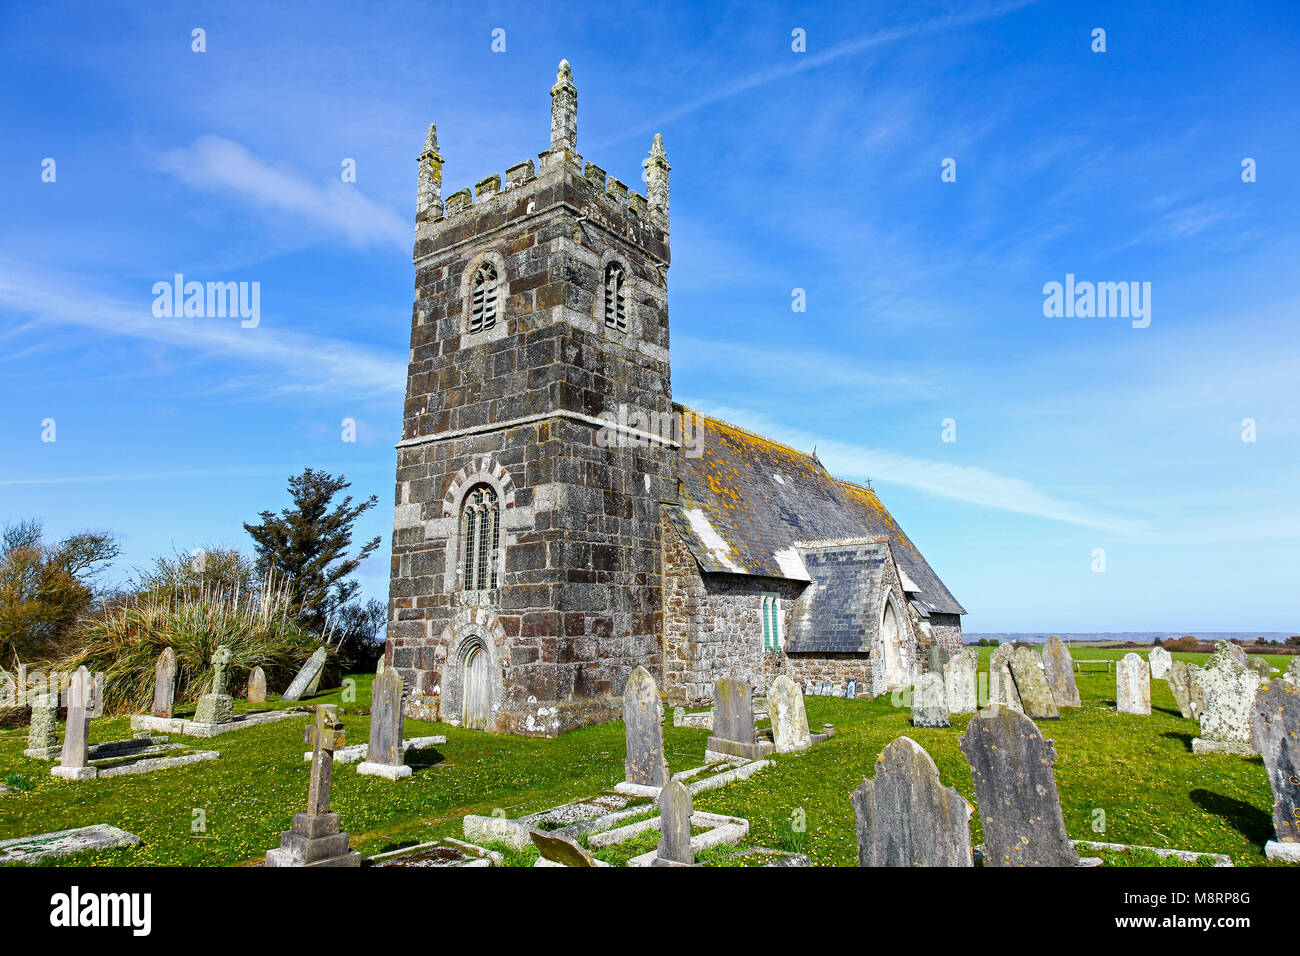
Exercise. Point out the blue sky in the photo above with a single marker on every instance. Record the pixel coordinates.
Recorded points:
(817, 170)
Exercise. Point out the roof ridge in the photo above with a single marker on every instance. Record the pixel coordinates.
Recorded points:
(750, 432)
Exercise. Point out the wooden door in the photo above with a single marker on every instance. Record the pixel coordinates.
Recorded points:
(478, 690)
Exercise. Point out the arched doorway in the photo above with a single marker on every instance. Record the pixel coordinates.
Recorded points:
(892, 648)
(478, 689)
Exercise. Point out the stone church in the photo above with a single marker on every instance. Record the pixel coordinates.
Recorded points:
(560, 521)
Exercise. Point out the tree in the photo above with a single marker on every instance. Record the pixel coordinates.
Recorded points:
(355, 632)
(307, 544)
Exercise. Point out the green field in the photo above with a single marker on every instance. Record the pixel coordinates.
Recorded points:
(1139, 772)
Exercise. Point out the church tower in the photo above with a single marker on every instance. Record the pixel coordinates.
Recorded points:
(537, 441)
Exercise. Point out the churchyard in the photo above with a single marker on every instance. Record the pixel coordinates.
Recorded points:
(1125, 779)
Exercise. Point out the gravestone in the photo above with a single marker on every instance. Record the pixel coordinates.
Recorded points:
(1229, 689)
(1179, 679)
(825, 689)
(1160, 661)
(959, 684)
(733, 722)
(1132, 686)
(789, 718)
(1058, 668)
(1194, 683)
(217, 707)
(929, 702)
(851, 689)
(257, 686)
(1011, 765)
(43, 734)
(1002, 689)
(386, 755)
(643, 723)
(381, 666)
(310, 671)
(1236, 651)
(561, 849)
(76, 734)
(1030, 678)
(906, 817)
(316, 839)
(1293, 672)
(1261, 667)
(164, 685)
(937, 658)
(675, 826)
(1275, 726)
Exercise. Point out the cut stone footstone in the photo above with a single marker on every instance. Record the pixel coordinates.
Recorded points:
(906, 817)
(1179, 679)
(733, 723)
(257, 686)
(316, 839)
(643, 720)
(1160, 661)
(789, 717)
(1002, 689)
(1275, 726)
(959, 683)
(929, 702)
(1229, 689)
(76, 735)
(386, 755)
(1132, 686)
(1058, 668)
(164, 685)
(217, 707)
(43, 734)
(1030, 678)
(303, 679)
(1019, 806)
(675, 826)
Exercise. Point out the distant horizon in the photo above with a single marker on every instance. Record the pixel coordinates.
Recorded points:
(1139, 637)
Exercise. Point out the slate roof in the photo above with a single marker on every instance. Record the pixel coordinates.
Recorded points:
(747, 502)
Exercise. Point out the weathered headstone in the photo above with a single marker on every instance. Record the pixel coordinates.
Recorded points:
(1179, 679)
(1132, 686)
(825, 689)
(643, 723)
(733, 722)
(1260, 666)
(1229, 689)
(851, 689)
(789, 718)
(1002, 689)
(1275, 725)
(43, 734)
(382, 665)
(675, 826)
(316, 839)
(1011, 765)
(959, 684)
(257, 686)
(1160, 661)
(164, 685)
(1036, 698)
(1293, 672)
(309, 672)
(217, 707)
(76, 734)
(386, 755)
(1058, 668)
(1236, 651)
(930, 702)
(937, 658)
(1197, 694)
(906, 817)
(561, 849)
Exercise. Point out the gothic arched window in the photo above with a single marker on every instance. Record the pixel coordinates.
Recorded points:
(615, 297)
(483, 299)
(480, 537)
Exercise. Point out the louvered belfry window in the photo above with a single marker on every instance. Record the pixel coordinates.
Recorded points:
(483, 299)
(615, 298)
(480, 526)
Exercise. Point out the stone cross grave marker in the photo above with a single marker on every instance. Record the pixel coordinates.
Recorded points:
(217, 707)
(675, 826)
(1160, 660)
(1228, 688)
(1275, 724)
(302, 680)
(929, 702)
(1031, 684)
(316, 839)
(386, 753)
(1132, 686)
(257, 686)
(76, 735)
(959, 683)
(906, 817)
(643, 722)
(1058, 667)
(1015, 788)
(164, 685)
(789, 718)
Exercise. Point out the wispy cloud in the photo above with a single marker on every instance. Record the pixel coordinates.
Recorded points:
(215, 163)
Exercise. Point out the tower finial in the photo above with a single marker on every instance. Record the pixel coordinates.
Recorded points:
(564, 111)
(428, 201)
(656, 182)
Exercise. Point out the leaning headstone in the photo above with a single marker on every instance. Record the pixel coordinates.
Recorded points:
(1011, 764)
(561, 849)
(309, 672)
(906, 817)
(1229, 689)
(675, 826)
(217, 707)
(930, 702)
(1031, 684)
(1275, 725)
(76, 734)
(959, 684)
(1058, 667)
(316, 839)
(164, 685)
(643, 723)
(1179, 679)
(1160, 661)
(1002, 689)
(1132, 686)
(789, 718)
(733, 723)
(43, 734)
(257, 686)
(386, 755)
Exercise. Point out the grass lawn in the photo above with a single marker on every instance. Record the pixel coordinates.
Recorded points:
(1136, 775)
